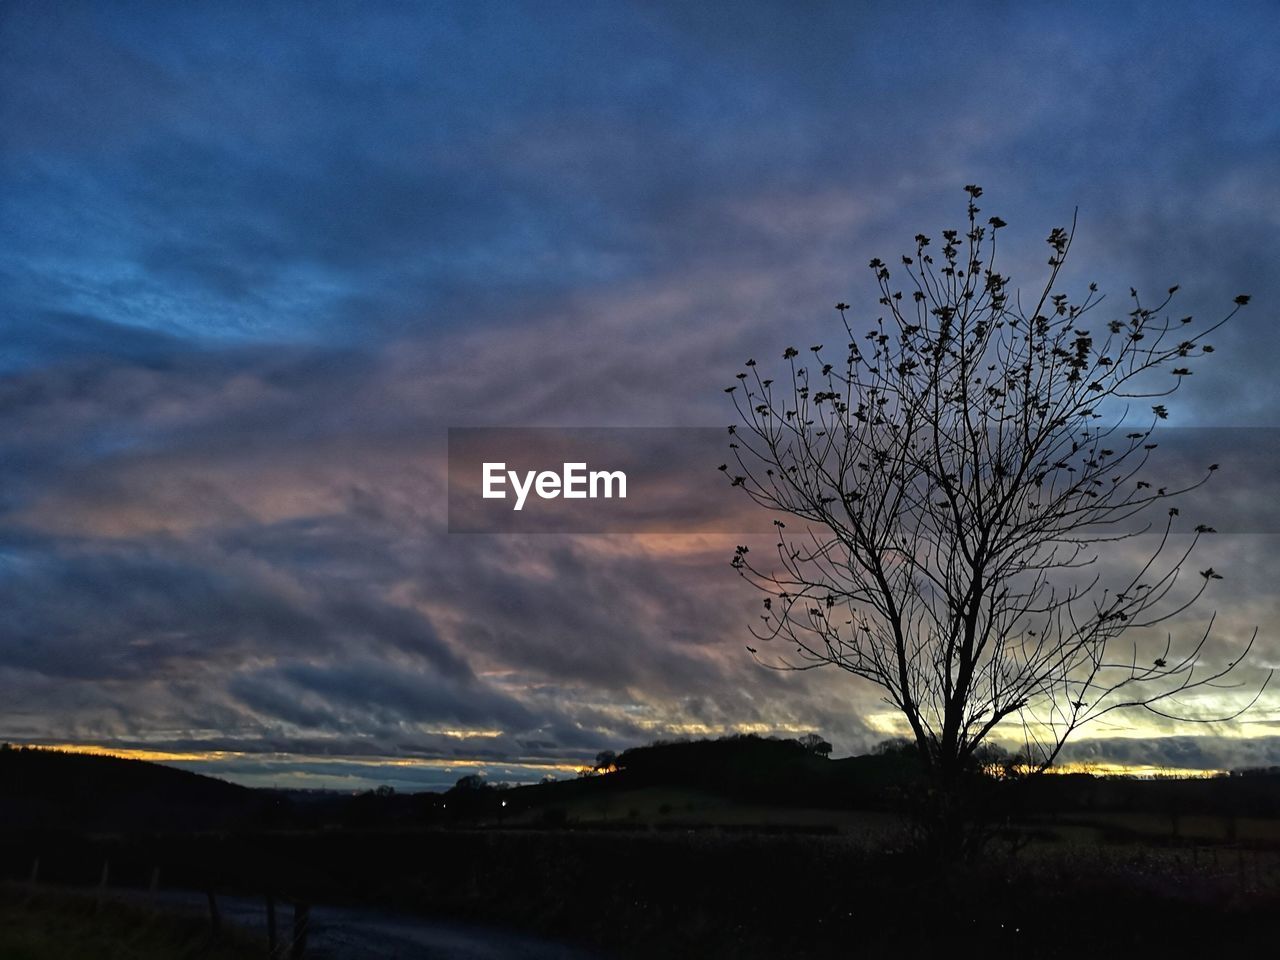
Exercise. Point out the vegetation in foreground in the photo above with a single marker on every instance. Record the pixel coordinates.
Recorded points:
(739, 848)
(61, 925)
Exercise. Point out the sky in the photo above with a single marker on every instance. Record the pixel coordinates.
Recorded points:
(259, 257)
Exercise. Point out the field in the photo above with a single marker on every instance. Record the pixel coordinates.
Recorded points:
(53, 924)
(742, 850)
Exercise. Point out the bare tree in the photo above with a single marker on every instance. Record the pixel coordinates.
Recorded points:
(952, 477)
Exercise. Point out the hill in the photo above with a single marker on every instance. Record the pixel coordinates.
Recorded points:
(758, 769)
(55, 790)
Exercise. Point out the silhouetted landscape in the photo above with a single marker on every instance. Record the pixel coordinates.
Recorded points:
(639, 480)
(702, 848)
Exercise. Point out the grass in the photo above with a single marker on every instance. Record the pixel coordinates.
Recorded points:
(57, 925)
(682, 806)
(706, 893)
(678, 806)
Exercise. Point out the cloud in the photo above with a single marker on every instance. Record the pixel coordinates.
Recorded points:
(259, 260)
(1207, 752)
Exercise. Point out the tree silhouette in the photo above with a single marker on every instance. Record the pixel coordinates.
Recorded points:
(814, 743)
(951, 477)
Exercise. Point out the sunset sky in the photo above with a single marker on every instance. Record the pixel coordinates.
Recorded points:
(258, 258)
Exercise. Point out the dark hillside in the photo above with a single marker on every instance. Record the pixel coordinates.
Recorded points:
(765, 769)
(54, 790)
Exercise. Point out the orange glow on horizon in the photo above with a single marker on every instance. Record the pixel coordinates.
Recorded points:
(1134, 770)
(212, 756)
(1143, 771)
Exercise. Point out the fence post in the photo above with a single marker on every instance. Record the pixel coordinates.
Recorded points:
(301, 919)
(102, 885)
(31, 882)
(215, 918)
(273, 944)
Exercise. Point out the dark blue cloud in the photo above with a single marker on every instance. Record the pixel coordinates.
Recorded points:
(257, 257)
